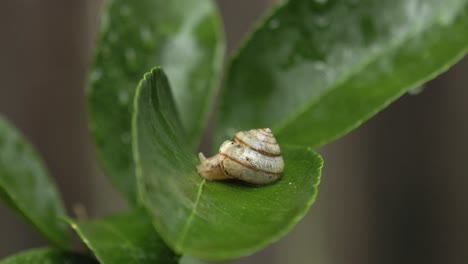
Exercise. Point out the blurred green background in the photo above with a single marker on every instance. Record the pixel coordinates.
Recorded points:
(393, 191)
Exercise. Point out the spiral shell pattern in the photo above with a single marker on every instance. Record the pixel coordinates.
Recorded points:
(252, 156)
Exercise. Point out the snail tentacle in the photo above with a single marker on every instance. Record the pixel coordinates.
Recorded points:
(209, 168)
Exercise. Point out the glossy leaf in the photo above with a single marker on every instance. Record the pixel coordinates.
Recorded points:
(125, 238)
(315, 70)
(185, 36)
(210, 220)
(48, 256)
(26, 187)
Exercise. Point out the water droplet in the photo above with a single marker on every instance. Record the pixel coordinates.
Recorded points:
(105, 21)
(113, 37)
(125, 137)
(297, 58)
(321, 21)
(353, 3)
(446, 18)
(130, 55)
(95, 75)
(321, 2)
(347, 53)
(320, 66)
(124, 97)
(273, 24)
(146, 34)
(125, 10)
(417, 90)
(330, 75)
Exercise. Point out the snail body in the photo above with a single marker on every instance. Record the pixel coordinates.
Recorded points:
(251, 156)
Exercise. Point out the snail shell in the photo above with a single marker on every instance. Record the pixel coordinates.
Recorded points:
(252, 156)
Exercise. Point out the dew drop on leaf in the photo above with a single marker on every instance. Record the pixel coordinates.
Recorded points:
(417, 90)
(113, 37)
(274, 24)
(353, 3)
(124, 97)
(95, 75)
(124, 10)
(130, 55)
(321, 21)
(146, 35)
(125, 137)
(320, 66)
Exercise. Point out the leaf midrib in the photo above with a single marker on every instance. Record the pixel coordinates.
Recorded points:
(366, 61)
(124, 239)
(107, 226)
(38, 225)
(185, 229)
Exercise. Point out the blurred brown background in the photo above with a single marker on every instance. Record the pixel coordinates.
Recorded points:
(393, 191)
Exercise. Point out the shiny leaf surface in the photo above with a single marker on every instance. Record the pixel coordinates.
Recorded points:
(48, 256)
(26, 187)
(185, 37)
(127, 238)
(210, 220)
(314, 70)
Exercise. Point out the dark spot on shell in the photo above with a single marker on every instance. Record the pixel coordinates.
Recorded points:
(248, 159)
(224, 170)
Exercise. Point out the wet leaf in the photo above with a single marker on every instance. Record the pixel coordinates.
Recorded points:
(124, 238)
(185, 37)
(210, 220)
(48, 256)
(26, 187)
(314, 70)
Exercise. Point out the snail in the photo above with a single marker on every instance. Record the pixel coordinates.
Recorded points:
(251, 156)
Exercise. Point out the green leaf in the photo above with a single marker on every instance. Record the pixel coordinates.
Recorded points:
(185, 36)
(210, 220)
(26, 187)
(48, 256)
(125, 238)
(315, 70)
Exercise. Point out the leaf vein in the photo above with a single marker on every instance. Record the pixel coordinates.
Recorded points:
(186, 227)
(125, 240)
(393, 45)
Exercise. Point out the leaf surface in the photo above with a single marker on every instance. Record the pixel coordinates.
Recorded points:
(314, 70)
(185, 36)
(210, 220)
(125, 238)
(26, 187)
(48, 256)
